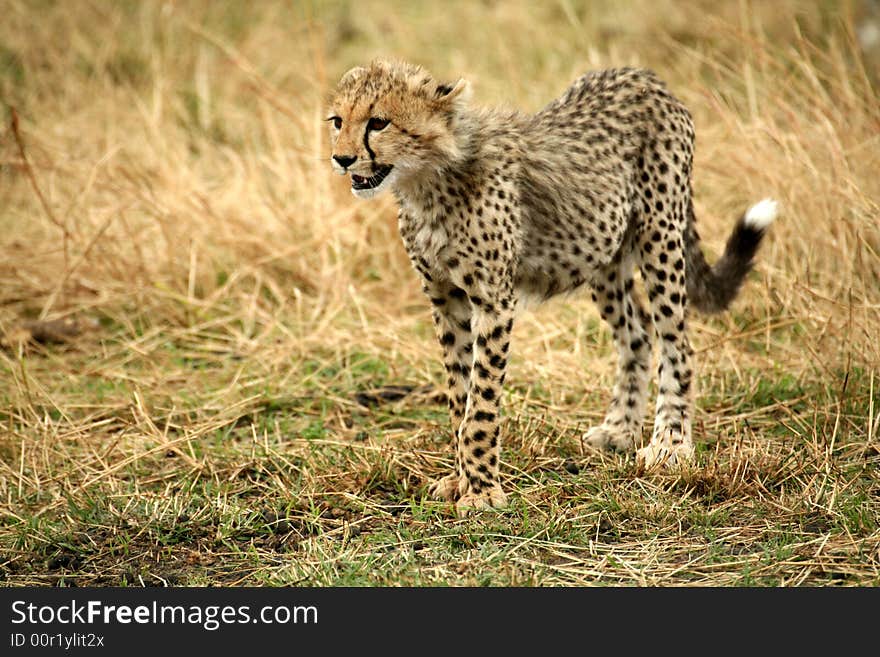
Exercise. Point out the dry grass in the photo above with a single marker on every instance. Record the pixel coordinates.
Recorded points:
(174, 209)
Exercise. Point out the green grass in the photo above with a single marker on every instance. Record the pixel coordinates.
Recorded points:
(278, 497)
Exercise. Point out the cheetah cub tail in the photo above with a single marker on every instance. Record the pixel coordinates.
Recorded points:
(761, 214)
(711, 289)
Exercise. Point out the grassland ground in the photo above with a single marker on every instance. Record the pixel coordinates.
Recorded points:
(217, 367)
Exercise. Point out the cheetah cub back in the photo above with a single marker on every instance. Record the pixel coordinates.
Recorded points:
(497, 208)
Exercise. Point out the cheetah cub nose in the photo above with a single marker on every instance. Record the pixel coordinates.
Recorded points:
(345, 161)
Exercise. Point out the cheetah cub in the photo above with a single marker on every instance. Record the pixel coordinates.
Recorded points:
(498, 207)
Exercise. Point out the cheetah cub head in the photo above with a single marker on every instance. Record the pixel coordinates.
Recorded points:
(392, 124)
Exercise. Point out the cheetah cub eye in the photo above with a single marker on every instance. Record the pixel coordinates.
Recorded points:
(377, 125)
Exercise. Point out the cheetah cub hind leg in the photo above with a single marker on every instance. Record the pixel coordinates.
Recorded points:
(671, 444)
(622, 427)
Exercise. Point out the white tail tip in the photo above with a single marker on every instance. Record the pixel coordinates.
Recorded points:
(762, 214)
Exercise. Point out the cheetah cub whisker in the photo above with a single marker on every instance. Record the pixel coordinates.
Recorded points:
(498, 206)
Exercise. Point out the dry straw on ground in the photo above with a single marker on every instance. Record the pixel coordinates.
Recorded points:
(208, 420)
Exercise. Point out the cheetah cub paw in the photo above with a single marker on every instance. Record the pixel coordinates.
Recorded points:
(610, 439)
(449, 488)
(492, 497)
(664, 453)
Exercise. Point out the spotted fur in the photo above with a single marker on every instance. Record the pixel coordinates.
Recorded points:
(497, 208)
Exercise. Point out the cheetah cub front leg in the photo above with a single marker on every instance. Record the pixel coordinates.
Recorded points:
(479, 444)
(475, 342)
(452, 321)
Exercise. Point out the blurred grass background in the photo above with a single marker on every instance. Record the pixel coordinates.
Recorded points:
(221, 298)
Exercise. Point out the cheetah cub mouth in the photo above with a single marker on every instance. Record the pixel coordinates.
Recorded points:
(372, 181)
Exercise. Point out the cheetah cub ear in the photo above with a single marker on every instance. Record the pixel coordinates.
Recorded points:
(453, 96)
(446, 93)
(443, 96)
